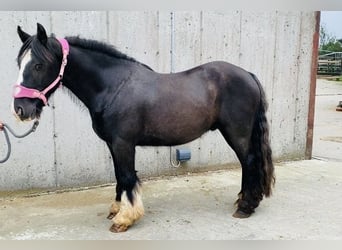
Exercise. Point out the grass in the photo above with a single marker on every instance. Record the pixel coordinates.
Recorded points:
(337, 79)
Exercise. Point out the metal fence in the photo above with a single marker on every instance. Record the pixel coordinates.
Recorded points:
(330, 64)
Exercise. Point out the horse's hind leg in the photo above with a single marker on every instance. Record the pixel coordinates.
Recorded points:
(128, 206)
(251, 191)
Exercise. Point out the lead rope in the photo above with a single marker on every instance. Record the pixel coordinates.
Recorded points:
(4, 127)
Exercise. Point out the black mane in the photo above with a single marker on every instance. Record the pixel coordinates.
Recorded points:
(52, 50)
(101, 47)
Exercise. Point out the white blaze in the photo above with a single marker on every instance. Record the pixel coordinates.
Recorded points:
(25, 60)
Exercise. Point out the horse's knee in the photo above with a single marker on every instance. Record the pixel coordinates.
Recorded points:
(129, 211)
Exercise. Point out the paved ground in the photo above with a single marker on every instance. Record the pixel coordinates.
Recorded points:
(328, 122)
(306, 204)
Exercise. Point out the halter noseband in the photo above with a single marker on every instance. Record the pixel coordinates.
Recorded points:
(21, 91)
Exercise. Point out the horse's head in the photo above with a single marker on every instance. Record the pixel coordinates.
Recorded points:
(40, 71)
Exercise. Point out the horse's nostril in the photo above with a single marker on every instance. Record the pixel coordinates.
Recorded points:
(20, 111)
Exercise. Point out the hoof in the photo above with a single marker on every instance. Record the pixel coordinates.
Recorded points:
(240, 214)
(118, 228)
(111, 216)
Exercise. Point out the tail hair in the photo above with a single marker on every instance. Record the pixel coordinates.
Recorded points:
(260, 139)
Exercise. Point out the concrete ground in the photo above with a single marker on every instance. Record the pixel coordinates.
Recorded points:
(306, 204)
(327, 142)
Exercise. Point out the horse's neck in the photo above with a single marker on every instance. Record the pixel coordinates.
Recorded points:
(82, 76)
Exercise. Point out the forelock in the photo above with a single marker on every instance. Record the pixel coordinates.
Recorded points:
(43, 53)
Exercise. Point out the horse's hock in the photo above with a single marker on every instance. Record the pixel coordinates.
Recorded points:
(72, 155)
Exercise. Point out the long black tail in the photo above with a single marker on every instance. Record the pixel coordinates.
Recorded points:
(261, 145)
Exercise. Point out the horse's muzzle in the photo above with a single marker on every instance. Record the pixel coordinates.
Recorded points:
(24, 110)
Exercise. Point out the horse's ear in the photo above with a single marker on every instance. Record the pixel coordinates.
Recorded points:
(23, 35)
(41, 34)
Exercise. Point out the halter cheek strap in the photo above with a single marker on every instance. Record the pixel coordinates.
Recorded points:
(21, 91)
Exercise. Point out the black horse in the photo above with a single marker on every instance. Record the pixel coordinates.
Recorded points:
(132, 105)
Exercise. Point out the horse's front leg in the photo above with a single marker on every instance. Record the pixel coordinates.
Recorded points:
(115, 207)
(128, 206)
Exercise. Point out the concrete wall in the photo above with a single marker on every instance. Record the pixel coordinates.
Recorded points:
(64, 151)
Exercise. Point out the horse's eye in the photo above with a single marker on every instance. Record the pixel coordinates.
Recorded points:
(38, 66)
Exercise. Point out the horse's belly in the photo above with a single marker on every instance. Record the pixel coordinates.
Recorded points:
(173, 129)
(179, 112)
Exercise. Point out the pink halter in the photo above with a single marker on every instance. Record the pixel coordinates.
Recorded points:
(21, 91)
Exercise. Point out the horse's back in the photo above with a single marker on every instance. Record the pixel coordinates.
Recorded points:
(180, 107)
(232, 84)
